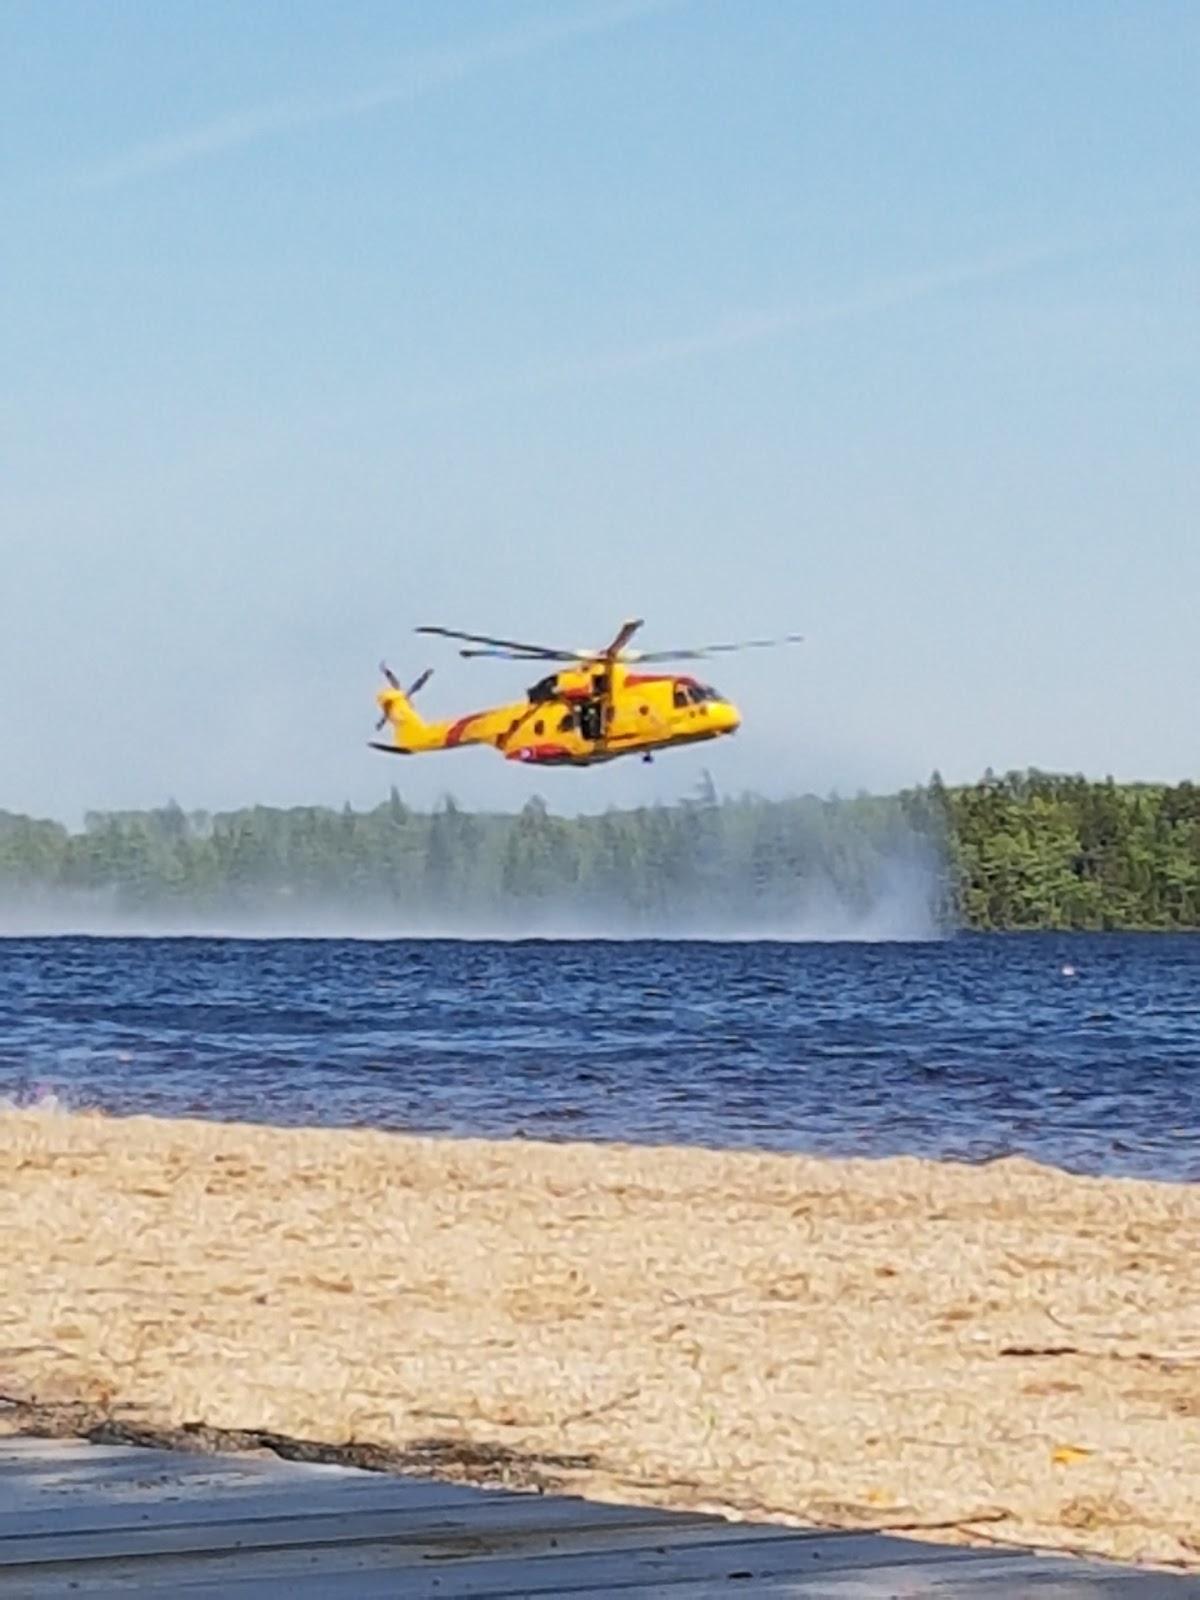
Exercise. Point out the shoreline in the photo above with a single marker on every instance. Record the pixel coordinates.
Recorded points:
(1002, 1354)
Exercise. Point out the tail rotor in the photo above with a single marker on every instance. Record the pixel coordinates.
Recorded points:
(393, 681)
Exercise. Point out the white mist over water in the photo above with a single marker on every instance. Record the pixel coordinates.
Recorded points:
(899, 903)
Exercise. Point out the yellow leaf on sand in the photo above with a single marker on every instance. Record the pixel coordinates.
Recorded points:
(1067, 1455)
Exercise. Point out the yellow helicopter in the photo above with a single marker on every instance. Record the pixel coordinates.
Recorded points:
(596, 705)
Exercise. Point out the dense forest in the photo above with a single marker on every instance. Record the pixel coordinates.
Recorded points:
(1033, 850)
(1028, 850)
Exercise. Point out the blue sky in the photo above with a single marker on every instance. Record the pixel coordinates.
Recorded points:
(876, 322)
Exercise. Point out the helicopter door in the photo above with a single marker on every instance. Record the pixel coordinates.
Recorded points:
(591, 724)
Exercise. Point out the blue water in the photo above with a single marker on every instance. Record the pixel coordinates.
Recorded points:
(1080, 1051)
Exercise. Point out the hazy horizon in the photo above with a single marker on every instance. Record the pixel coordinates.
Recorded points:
(577, 805)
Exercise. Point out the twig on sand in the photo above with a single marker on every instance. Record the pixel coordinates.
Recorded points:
(915, 1524)
(709, 1297)
(1041, 1350)
(1165, 1358)
(1179, 1357)
(614, 1404)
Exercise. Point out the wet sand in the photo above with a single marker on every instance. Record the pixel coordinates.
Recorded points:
(991, 1354)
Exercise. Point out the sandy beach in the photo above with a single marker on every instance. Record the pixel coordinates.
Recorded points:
(989, 1355)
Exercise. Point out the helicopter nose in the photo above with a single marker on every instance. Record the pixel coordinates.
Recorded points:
(731, 718)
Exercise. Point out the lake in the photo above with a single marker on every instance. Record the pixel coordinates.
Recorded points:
(1078, 1050)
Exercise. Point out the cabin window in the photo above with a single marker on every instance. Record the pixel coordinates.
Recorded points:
(539, 726)
(680, 696)
(567, 723)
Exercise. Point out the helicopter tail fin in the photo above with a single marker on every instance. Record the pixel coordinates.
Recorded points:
(409, 728)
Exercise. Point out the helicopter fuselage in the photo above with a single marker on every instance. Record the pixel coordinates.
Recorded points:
(575, 718)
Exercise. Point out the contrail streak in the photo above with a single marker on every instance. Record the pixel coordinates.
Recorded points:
(423, 74)
(741, 329)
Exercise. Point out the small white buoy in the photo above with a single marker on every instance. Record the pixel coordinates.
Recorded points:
(1068, 971)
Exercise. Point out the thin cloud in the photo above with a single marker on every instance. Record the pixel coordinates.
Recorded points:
(420, 75)
(742, 329)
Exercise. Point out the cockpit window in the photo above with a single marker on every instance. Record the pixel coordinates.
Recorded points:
(694, 694)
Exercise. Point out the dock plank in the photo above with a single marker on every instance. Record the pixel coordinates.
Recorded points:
(1022, 1578)
(666, 1568)
(153, 1504)
(93, 1520)
(532, 1513)
(441, 1566)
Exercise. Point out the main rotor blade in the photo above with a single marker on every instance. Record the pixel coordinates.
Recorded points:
(627, 632)
(541, 651)
(703, 651)
(520, 655)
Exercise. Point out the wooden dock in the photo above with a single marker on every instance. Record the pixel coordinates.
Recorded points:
(85, 1519)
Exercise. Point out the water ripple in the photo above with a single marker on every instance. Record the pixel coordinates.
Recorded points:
(1083, 1051)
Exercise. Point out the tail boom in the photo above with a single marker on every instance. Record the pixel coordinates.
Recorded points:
(412, 735)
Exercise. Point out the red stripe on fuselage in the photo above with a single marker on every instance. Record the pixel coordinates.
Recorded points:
(456, 730)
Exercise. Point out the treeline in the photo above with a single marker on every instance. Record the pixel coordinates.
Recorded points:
(1028, 850)
(1035, 850)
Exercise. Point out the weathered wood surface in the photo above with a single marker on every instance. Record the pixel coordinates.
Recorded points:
(85, 1519)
